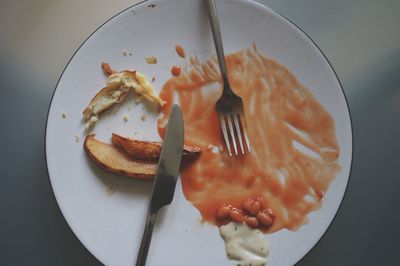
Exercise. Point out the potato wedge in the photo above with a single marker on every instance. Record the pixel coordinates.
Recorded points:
(115, 160)
(118, 86)
(149, 150)
(142, 165)
(103, 100)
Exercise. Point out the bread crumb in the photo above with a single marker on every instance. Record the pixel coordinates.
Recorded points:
(110, 191)
(143, 118)
(64, 115)
(135, 133)
(77, 138)
(116, 94)
(125, 118)
(153, 79)
(91, 121)
(130, 54)
(151, 60)
(125, 52)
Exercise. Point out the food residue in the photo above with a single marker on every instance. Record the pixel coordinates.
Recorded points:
(131, 157)
(64, 115)
(294, 147)
(106, 69)
(180, 51)
(151, 60)
(112, 159)
(125, 52)
(253, 212)
(146, 90)
(77, 138)
(246, 245)
(294, 153)
(119, 84)
(148, 150)
(176, 70)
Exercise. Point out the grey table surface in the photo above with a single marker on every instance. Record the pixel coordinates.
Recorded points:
(361, 38)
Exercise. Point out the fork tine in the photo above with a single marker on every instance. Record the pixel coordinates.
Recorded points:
(238, 133)
(225, 133)
(246, 138)
(229, 120)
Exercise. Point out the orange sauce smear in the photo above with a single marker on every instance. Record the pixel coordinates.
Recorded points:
(176, 70)
(180, 51)
(279, 112)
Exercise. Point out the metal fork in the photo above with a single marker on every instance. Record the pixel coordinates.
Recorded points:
(229, 106)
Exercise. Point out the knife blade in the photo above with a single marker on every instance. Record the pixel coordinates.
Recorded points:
(166, 177)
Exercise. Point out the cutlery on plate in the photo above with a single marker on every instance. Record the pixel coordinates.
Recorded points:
(166, 176)
(229, 106)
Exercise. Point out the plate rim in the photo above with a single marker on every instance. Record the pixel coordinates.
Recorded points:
(345, 194)
(91, 253)
(256, 2)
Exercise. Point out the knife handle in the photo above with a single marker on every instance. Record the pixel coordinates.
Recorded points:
(146, 239)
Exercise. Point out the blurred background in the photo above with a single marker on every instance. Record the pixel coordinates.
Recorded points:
(361, 39)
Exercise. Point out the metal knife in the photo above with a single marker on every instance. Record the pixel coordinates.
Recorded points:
(166, 176)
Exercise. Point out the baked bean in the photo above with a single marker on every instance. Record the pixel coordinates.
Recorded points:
(252, 221)
(263, 204)
(269, 212)
(264, 219)
(255, 208)
(247, 204)
(236, 216)
(223, 212)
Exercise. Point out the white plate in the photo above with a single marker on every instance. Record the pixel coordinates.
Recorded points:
(110, 226)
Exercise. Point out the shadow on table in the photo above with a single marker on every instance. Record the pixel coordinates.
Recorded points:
(32, 227)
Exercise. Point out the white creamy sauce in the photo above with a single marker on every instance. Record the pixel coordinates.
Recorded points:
(248, 246)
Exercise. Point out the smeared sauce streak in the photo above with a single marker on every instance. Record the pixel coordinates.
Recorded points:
(279, 112)
(180, 51)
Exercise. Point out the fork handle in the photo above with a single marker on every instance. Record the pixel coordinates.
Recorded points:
(212, 15)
